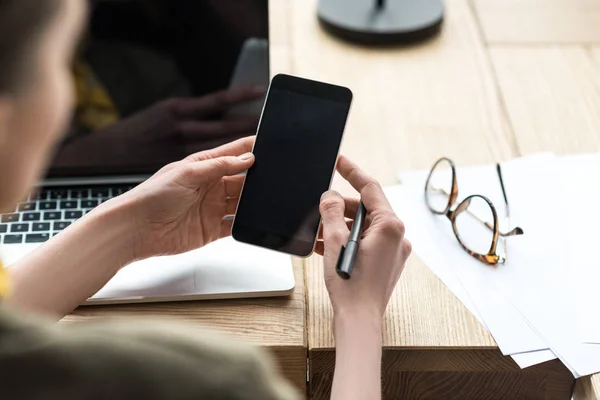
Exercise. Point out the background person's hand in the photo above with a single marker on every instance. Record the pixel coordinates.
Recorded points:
(194, 124)
(183, 206)
(166, 131)
(382, 253)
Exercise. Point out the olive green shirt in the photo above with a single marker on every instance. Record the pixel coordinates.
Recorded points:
(130, 360)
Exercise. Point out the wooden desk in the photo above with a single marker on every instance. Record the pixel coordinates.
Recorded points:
(477, 94)
(277, 324)
(588, 388)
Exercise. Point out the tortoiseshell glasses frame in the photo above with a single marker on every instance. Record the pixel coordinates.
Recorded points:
(491, 257)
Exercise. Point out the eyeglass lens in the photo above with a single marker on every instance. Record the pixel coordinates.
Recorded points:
(439, 186)
(470, 224)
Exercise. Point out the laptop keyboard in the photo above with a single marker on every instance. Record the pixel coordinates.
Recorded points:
(51, 210)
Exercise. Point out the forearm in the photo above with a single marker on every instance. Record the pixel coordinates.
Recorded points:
(62, 274)
(358, 359)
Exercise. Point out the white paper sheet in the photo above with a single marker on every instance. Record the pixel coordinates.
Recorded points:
(552, 272)
(538, 277)
(581, 183)
(526, 360)
(439, 266)
(434, 241)
(539, 281)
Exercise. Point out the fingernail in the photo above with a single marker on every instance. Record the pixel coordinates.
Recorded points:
(328, 193)
(246, 157)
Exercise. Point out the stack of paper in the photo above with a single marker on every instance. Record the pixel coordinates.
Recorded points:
(543, 302)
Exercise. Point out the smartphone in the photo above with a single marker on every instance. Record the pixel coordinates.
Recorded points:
(296, 149)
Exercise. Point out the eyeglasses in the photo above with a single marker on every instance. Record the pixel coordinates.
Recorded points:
(475, 219)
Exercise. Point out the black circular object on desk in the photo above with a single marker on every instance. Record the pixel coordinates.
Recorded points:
(381, 22)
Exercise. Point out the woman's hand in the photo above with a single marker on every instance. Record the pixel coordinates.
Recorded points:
(359, 303)
(176, 127)
(382, 253)
(180, 208)
(183, 206)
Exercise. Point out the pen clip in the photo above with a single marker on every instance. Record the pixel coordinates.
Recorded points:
(340, 268)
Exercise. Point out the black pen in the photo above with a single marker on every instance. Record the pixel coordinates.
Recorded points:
(348, 253)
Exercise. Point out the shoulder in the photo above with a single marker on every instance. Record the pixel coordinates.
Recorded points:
(148, 359)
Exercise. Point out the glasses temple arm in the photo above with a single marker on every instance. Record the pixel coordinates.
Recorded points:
(514, 232)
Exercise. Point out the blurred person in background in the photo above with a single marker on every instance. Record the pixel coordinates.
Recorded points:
(182, 207)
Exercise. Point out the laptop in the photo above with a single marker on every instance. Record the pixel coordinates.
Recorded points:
(135, 60)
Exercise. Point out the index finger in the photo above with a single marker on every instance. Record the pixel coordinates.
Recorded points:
(370, 190)
(219, 101)
(235, 148)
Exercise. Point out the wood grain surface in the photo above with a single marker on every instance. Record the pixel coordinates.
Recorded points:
(411, 106)
(268, 322)
(277, 324)
(474, 97)
(552, 97)
(595, 52)
(587, 388)
(539, 21)
(468, 374)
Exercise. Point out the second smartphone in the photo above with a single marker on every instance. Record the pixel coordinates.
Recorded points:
(296, 150)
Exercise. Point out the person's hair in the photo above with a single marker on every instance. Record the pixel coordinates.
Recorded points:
(22, 24)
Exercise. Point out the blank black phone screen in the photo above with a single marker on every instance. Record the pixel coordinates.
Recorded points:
(296, 151)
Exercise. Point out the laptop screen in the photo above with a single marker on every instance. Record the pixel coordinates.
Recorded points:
(157, 80)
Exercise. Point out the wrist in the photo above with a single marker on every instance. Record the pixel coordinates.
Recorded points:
(358, 354)
(351, 324)
(369, 316)
(74, 265)
(115, 219)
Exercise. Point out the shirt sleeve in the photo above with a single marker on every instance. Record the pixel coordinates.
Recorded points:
(132, 360)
